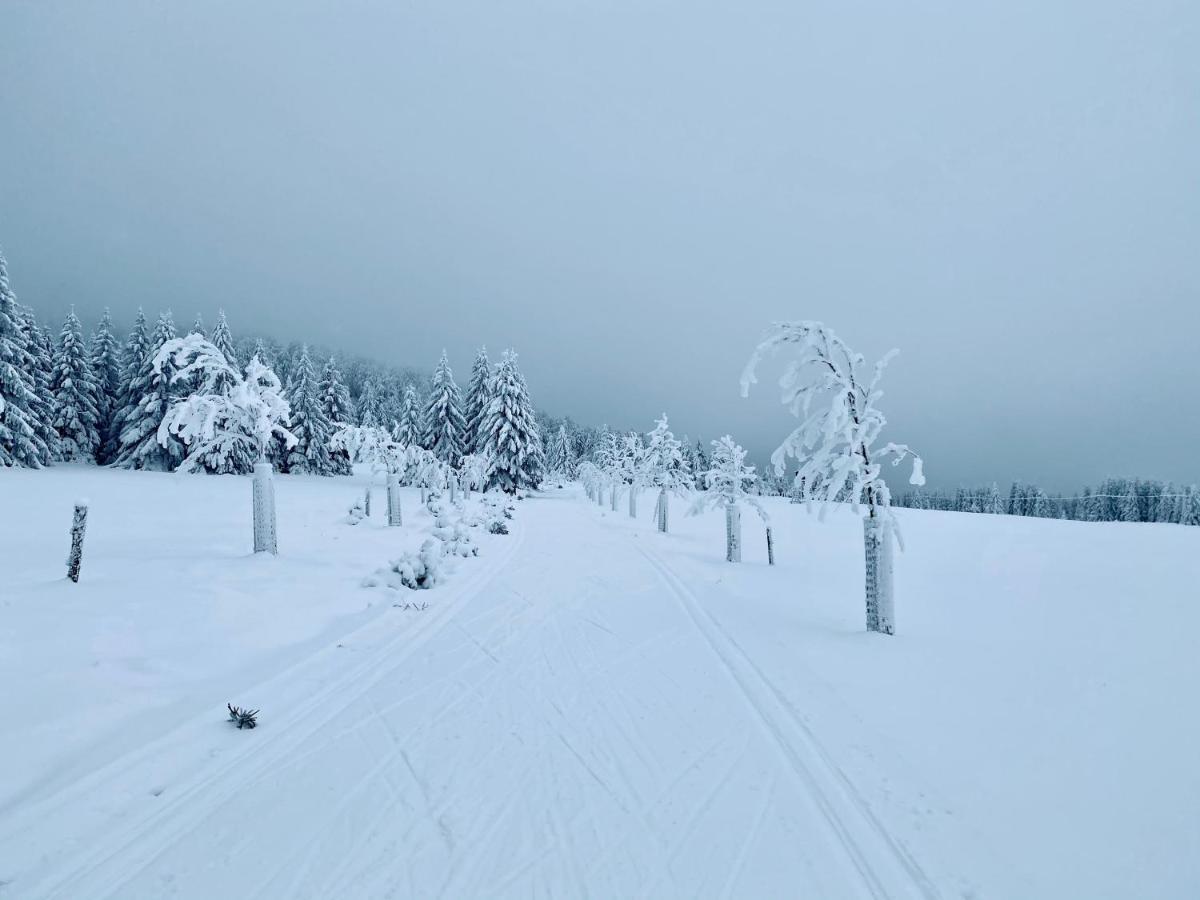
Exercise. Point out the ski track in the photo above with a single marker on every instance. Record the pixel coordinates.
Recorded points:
(545, 730)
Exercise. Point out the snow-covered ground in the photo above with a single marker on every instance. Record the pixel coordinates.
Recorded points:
(589, 708)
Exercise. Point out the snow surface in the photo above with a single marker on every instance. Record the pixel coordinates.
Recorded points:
(590, 707)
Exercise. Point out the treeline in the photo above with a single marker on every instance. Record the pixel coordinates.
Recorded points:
(1113, 500)
(105, 401)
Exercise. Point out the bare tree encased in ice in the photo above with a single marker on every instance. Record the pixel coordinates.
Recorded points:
(827, 385)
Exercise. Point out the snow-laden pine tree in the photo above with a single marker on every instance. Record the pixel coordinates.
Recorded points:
(230, 412)
(828, 387)
(222, 339)
(561, 457)
(511, 437)
(665, 469)
(105, 356)
(198, 326)
(409, 431)
(338, 410)
(479, 398)
(41, 360)
(310, 454)
(730, 486)
(700, 464)
(632, 471)
(151, 393)
(444, 422)
(137, 347)
(19, 442)
(368, 406)
(76, 415)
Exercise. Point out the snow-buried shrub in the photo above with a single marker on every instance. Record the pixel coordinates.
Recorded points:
(456, 539)
(356, 514)
(415, 571)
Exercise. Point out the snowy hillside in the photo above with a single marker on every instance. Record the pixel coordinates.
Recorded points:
(590, 707)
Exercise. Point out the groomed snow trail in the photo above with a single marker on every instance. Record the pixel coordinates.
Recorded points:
(574, 724)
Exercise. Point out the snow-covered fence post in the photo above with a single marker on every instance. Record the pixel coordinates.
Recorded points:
(393, 499)
(453, 481)
(78, 527)
(770, 547)
(877, 541)
(367, 501)
(633, 493)
(662, 510)
(264, 509)
(733, 533)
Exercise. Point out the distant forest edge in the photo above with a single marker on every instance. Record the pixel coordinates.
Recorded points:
(100, 401)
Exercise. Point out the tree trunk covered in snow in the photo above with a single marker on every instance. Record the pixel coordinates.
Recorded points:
(663, 510)
(770, 547)
(733, 533)
(453, 488)
(367, 502)
(877, 541)
(393, 500)
(78, 527)
(614, 497)
(633, 494)
(264, 509)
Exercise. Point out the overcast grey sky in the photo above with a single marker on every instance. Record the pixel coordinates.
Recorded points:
(629, 192)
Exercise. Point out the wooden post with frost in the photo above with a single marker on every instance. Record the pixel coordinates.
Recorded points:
(367, 501)
(663, 510)
(393, 499)
(78, 527)
(264, 509)
(733, 533)
(877, 542)
(770, 547)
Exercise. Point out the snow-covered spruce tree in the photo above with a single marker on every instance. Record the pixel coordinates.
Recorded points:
(611, 462)
(479, 398)
(198, 326)
(409, 431)
(39, 374)
(223, 341)
(214, 421)
(137, 346)
(633, 465)
(104, 353)
(561, 456)
(19, 442)
(700, 464)
(665, 469)
(730, 485)
(310, 454)
(511, 437)
(367, 406)
(151, 393)
(826, 385)
(337, 409)
(444, 422)
(76, 415)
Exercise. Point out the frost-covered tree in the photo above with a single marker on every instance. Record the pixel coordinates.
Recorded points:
(409, 431)
(474, 471)
(76, 415)
(337, 409)
(222, 339)
(700, 464)
(105, 356)
(444, 422)
(611, 459)
(730, 486)
(368, 406)
(511, 435)
(137, 346)
(219, 421)
(151, 393)
(198, 326)
(665, 469)
(479, 398)
(39, 374)
(310, 454)
(561, 458)
(19, 441)
(828, 387)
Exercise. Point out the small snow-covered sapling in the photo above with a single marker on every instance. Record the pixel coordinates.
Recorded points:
(242, 718)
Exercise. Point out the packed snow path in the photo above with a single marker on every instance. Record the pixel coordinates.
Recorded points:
(550, 729)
